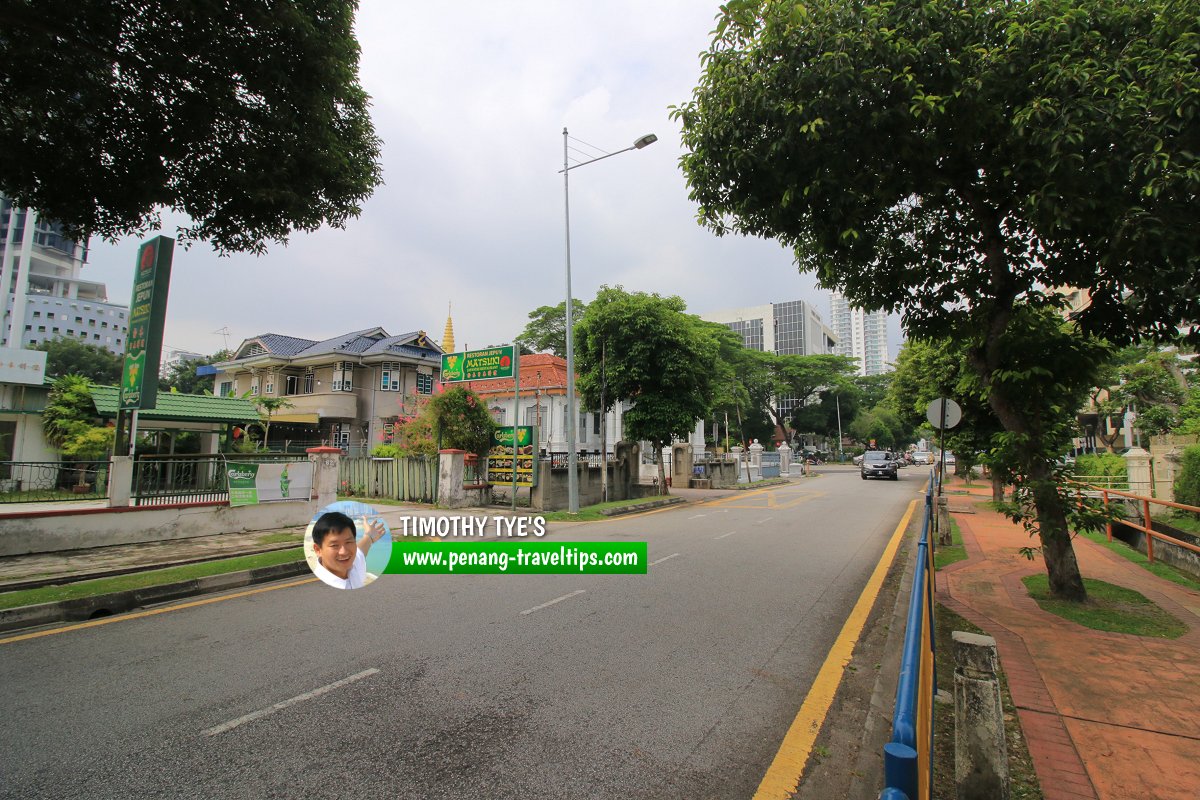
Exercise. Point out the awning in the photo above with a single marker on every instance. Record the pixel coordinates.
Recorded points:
(305, 419)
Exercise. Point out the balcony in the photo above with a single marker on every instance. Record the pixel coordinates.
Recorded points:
(324, 405)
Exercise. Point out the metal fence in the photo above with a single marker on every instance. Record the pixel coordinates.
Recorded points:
(411, 480)
(44, 481)
(167, 480)
(908, 757)
(770, 465)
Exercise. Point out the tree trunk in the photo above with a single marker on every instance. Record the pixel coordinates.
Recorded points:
(1065, 581)
(997, 487)
(662, 475)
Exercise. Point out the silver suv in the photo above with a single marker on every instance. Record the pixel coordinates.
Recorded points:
(879, 464)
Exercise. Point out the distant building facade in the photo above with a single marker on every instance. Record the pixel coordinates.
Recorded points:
(790, 328)
(862, 335)
(45, 296)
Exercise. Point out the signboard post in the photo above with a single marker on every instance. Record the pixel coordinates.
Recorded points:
(143, 341)
(512, 457)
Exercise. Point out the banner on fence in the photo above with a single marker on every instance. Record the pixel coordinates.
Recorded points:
(505, 454)
(250, 484)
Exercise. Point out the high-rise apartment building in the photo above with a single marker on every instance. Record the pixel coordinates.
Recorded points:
(791, 328)
(861, 335)
(45, 296)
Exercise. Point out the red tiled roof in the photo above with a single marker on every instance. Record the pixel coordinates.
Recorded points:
(542, 371)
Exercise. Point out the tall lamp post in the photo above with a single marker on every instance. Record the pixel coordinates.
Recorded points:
(572, 455)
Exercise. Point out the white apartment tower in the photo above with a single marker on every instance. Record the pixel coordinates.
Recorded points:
(44, 296)
(861, 335)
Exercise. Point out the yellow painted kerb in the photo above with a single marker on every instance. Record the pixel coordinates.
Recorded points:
(786, 770)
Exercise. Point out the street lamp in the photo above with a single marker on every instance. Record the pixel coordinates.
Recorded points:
(572, 456)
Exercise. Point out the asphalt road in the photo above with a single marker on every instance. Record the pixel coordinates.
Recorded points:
(676, 684)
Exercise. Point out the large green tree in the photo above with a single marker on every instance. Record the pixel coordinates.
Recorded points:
(182, 378)
(547, 328)
(800, 378)
(954, 161)
(645, 348)
(69, 356)
(248, 117)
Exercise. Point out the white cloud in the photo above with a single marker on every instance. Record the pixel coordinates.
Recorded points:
(470, 99)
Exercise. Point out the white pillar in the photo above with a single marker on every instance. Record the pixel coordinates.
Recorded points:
(16, 323)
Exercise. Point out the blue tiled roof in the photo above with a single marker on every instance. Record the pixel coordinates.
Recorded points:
(284, 345)
(354, 342)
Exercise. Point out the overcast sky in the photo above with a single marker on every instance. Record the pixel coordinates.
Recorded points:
(470, 100)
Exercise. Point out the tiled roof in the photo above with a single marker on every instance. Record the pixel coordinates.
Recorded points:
(354, 342)
(279, 345)
(180, 407)
(539, 371)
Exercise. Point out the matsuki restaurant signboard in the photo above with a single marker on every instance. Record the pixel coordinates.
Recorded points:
(147, 313)
(477, 365)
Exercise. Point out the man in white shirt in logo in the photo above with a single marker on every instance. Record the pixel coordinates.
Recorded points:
(341, 561)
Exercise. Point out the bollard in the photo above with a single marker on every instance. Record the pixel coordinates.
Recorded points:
(980, 751)
(945, 537)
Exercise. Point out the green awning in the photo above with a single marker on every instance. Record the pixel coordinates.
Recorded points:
(180, 407)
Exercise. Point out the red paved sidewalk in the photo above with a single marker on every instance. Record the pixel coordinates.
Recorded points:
(1106, 715)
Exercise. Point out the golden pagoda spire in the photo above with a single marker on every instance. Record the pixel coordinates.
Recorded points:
(448, 334)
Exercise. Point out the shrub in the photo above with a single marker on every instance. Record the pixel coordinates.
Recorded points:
(1101, 464)
(385, 451)
(1187, 485)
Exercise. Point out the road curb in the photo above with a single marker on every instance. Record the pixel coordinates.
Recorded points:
(659, 503)
(78, 577)
(85, 608)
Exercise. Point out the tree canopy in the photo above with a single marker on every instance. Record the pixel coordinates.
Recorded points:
(645, 348)
(960, 163)
(547, 328)
(247, 117)
(68, 356)
(182, 377)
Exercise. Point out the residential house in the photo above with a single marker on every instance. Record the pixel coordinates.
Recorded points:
(346, 391)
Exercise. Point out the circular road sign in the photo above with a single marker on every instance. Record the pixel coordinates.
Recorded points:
(934, 413)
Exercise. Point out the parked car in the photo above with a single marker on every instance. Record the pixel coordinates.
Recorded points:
(879, 464)
(922, 457)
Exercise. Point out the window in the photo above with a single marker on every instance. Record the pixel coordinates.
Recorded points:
(308, 381)
(534, 415)
(226, 389)
(583, 426)
(389, 376)
(79, 320)
(70, 332)
(596, 424)
(28, 327)
(253, 385)
(37, 314)
(498, 414)
(118, 340)
(424, 383)
(41, 328)
(96, 336)
(103, 324)
(291, 384)
(270, 387)
(54, 330)
(343, 377)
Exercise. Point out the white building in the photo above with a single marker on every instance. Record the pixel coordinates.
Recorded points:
(46, 296)
(861, 335)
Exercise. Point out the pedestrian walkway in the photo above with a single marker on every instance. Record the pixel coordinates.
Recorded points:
(1106, 715)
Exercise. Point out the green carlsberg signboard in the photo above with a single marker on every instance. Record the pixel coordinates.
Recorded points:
(147, 312)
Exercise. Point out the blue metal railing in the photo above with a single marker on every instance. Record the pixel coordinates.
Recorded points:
(908, 757)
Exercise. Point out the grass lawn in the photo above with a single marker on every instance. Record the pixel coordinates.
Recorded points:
(141, 580)
(1183, 520)
(281, 537)
(1158, 568)
(1024, 779)
(591, 513)
(1108, 608)
(945, 555)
